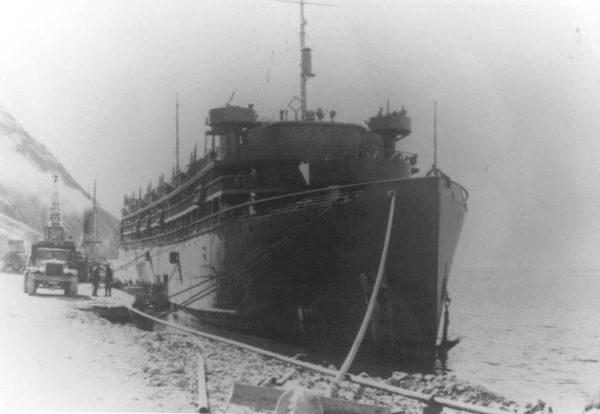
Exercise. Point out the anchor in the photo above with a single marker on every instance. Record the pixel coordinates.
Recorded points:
(447, 344)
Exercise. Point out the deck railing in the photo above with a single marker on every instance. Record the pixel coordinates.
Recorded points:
(273, 205)
(282, 151)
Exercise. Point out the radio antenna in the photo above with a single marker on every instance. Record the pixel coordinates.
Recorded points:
(95, 234)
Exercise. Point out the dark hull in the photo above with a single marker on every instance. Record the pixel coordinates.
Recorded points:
(296, 273)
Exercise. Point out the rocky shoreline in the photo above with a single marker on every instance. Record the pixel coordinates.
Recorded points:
(171, 366)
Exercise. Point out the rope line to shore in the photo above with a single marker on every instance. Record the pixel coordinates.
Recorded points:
(228, 274)
(129, 263)
(421, 397)
(237, 270)
(335, 384)
(144, 255)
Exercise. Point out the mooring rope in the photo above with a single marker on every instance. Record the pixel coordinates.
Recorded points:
(335, 384)
(255, 260)
(249, 263)
(159, 292)
(131, 317)
(129, 263)
(145, 255)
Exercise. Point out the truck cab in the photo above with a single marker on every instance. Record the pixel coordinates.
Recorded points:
(52, 265)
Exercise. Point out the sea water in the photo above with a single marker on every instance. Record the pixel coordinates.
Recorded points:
(528, 335)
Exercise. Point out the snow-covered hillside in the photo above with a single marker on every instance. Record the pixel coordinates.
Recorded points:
(26, 169)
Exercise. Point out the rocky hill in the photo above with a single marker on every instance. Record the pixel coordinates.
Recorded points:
(26, 170)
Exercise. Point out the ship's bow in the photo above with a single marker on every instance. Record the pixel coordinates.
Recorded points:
(427, 222)
(427, 227)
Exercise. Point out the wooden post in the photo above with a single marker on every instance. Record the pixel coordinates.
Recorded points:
(262, 398)
(432, 408)
(202, 393)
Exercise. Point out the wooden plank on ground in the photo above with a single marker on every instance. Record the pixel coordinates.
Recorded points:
(202, 392)
(261, 398)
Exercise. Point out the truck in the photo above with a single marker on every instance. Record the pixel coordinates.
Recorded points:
(52, 265)
(54, 262)
(15, 259)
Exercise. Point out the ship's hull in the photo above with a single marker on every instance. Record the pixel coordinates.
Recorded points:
(306, 273)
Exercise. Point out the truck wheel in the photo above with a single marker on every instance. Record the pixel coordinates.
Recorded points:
(31, 287)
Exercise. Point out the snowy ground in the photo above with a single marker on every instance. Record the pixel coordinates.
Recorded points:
(56, 356)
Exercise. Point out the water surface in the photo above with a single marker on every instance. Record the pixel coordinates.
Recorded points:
(528, 335)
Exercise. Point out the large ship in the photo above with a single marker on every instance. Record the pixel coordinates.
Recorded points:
(279, 226)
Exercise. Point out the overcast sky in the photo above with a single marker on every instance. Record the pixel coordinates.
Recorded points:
(517, 85)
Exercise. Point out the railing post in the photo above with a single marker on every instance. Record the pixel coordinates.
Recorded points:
(432, 407)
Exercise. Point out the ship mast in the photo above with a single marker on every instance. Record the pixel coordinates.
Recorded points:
(95, 219)
(434, 167)
(305, 62)
(435, 171)
(177, 133)
(305, 55)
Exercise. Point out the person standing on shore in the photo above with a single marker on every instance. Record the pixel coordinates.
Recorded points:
(108, 279)
(96, 280)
